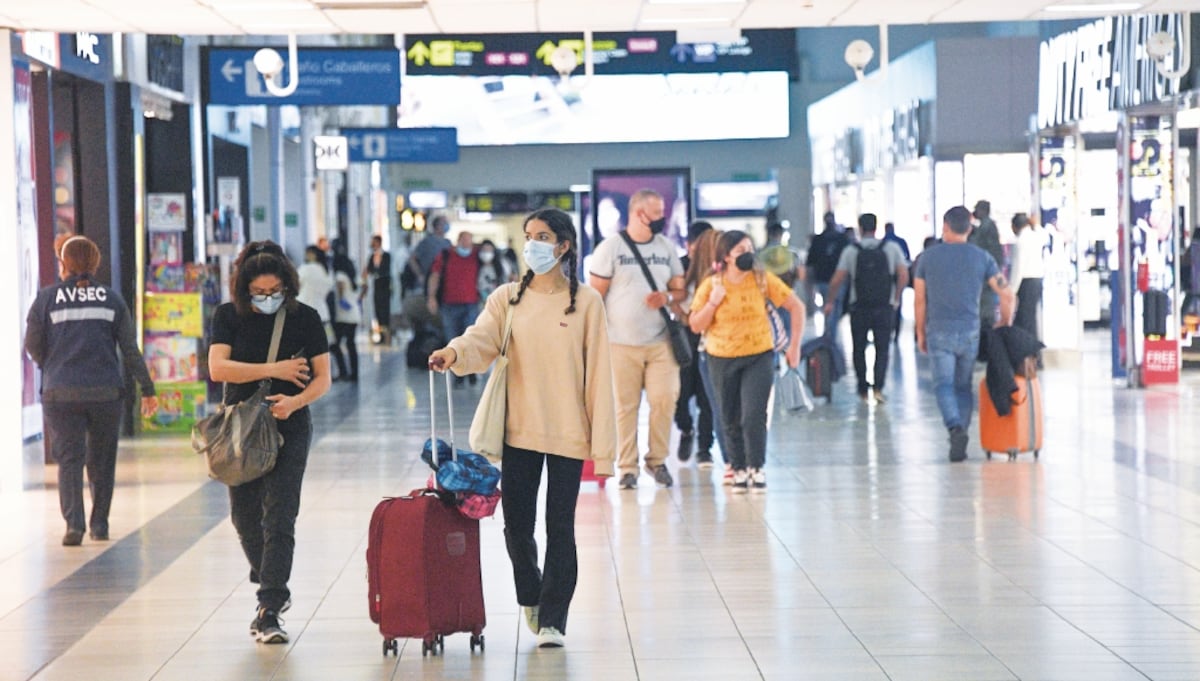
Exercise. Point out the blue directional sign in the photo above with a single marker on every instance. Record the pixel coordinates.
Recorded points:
(327, 77)
(402, 145)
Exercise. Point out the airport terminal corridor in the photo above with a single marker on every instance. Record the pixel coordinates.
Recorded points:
(870, 557)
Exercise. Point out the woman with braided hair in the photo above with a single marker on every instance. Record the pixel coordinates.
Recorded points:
(560, 411)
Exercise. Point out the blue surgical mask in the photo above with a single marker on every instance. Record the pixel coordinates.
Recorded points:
(464, 252)
(539, 256)
(267, 304)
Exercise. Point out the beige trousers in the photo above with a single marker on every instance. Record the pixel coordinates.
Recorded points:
(651, 368)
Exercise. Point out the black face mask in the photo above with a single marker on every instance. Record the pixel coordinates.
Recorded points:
(657, 226)
(745, 262)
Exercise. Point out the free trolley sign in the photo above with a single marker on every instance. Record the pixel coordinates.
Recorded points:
(327, 77)
(1161, 364)
(403, 145)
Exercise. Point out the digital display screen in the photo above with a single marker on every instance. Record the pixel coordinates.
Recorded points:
(504, 110)
(427, 199)
(735, 199)
(612, 189)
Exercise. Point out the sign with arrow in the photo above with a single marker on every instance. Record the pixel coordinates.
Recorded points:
(327, 77)
(402, 145)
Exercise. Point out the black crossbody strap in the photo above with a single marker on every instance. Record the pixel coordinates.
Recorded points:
(646, 271)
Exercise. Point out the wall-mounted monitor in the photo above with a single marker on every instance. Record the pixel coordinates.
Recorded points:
(735, 199)
(612, 188)
(427, 199)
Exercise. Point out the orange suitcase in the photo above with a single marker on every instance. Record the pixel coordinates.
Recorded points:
(1021, 430)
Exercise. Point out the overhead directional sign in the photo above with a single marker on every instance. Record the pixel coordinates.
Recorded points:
(402, 145)
(331, 152)
(327, 77)
(612, 53)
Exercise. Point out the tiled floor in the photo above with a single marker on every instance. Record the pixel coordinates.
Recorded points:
(871, 557)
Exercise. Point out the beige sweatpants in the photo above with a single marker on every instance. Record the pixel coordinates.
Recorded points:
(651, 368)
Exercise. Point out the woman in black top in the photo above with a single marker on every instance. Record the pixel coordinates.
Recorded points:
(379, 272)
(264, 510)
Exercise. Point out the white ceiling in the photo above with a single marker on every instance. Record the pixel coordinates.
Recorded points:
(264, 17)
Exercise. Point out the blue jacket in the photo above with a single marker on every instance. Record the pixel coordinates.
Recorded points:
(73, 332)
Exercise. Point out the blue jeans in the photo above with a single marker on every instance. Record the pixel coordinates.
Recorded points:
(952, 355)
(456, 317)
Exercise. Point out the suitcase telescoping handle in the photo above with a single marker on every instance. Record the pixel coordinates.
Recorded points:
(433, 415)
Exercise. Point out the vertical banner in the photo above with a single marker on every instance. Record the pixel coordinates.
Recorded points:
(1150, 318)
(27, 238)
(1057, 171)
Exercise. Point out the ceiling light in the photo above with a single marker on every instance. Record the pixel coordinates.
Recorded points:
(1097, 8)
(688, 20)
(370, 4)
(695, 2)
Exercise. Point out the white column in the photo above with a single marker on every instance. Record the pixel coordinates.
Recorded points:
(10, 280)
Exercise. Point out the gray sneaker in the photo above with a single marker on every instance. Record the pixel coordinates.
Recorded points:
(629, 481)
(661, 475)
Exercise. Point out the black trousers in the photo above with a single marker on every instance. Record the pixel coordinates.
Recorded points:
(551, 588)
(344, 334)
(264, 513)
(382, 298)
(1029, 296)
(743, 387)
(877, 321)
(690, 386)
(84, 434)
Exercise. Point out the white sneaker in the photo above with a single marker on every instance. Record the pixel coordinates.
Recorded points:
(758, 480)
(549, 637)
(741, 482)
(727, 479)
(531, 617)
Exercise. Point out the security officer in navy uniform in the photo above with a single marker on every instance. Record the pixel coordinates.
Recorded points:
(73, 332)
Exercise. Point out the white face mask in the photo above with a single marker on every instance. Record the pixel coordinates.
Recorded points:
(486, 257)
(539, 256)
(267, 304)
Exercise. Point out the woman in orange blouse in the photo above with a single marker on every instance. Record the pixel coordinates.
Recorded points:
(730, 309)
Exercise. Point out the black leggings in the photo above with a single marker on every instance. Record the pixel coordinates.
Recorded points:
(344, 331)
(743, 388)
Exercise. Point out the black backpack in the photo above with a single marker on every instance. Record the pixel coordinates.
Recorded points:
(872, 277)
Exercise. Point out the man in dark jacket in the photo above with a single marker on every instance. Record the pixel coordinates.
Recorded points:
(73, 332)
(987, 236)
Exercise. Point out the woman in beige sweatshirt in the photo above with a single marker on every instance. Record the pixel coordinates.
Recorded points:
(560, 411)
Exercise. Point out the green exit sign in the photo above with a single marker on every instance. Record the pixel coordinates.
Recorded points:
(291, 219)
(747, 177)
(417, 183)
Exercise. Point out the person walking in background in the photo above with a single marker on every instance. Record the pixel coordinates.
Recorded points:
(377, 276)
(947, 319)
(730, 309)
(79, 332)
(987, 236)
(430, 247)
(560, 410)
(453, 289)
(1028, 268)
(642, 358)
(493, 270)
(316, 290)
(889, 235)
(698, 430)
(346, 317)
(264, 511)
(877, 273)
(821, 264)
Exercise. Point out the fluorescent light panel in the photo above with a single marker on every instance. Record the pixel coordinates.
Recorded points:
(1094, 7)
(695, 2)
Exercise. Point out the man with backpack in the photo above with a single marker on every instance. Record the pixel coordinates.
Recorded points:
(820, 265)
(878, 272)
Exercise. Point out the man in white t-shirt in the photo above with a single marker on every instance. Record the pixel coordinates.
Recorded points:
(641, 347)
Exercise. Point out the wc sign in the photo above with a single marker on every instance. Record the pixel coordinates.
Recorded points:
(332, 152)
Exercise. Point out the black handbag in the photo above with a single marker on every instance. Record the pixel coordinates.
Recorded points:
(240, 442)
(681, 347)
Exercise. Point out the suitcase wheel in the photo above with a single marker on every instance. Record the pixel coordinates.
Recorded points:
(1035, 454)
(433, 646)
(1012, 455)
(476, 640)
(989, 454)
(391, 645)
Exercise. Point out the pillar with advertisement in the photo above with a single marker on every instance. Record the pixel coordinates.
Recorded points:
(1056, 191)
(1147, 328)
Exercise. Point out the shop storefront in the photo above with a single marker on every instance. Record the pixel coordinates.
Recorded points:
(912, 141)
(1116, 157)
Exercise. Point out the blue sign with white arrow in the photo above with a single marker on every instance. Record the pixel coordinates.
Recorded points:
(402, 145)
(327, 77)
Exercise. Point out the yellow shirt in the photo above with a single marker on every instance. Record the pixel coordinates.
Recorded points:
(560, 389)
(740, 327)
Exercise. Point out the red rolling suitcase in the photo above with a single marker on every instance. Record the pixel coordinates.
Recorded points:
(1021, 429)
(423, 570)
